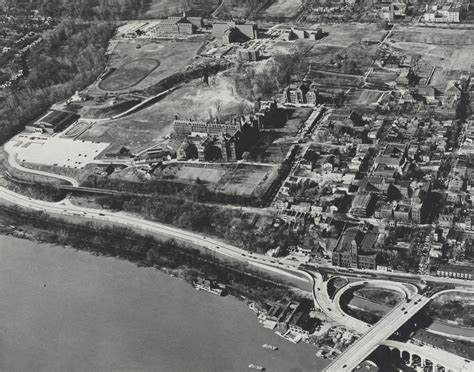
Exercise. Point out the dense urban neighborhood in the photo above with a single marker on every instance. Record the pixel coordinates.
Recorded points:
(314, 158)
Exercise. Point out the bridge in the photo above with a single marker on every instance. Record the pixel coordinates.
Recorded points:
(377, 334)
(418, 355)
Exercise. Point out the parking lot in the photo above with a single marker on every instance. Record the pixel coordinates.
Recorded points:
(54, 151)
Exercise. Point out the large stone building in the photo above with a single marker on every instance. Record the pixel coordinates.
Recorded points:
(180, 25)
(300, 94)
(354, 249)
(232, 32)
(212, 141)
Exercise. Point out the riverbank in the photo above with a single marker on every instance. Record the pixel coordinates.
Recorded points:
(242, 280)
(69, 310)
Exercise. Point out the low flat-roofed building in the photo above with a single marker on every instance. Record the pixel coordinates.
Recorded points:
(456, 271)
(54, 121)
(361, 205)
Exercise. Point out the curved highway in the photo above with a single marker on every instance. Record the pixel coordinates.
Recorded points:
(66, 208)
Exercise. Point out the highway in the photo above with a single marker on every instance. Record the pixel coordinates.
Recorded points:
(330, 308)
(66, 208)
(377, 334)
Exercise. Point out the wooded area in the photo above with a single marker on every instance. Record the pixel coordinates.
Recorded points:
(83, 9)
(147, 251)
(69, 58)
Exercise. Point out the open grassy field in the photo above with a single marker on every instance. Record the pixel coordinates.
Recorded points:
(364, 97)
(283, 8)
(437, 36)
(343, 35)
(129, 75)
(449, 51)
(205, 174)
(238, 179)
(195, 100)
(164, 8)
(243, 179)
(138, 69)
(334, 80)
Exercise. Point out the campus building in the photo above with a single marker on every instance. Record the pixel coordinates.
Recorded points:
(180, 25)
(233, 32)
(301, 94)
(54, 121)
(443, 14)
(354, 249)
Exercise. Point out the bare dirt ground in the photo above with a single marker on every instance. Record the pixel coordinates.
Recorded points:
(449, 51)
(150, 125)
(343, 35)
(164, 8)
(283, 8)
(364, 97)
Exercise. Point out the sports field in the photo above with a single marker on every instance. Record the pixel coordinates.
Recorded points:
(142, 64)
(204, 174)
(129, 75)
(243, 179)
(364, 97)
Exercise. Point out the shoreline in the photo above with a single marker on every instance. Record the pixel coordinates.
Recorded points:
(142, 312)
(16, 232)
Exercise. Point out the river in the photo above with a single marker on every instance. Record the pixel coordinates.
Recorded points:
(64, 310)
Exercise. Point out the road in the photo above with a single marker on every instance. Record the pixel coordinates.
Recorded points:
(12, 161)
(380, 332)
(66, 208)
(330, 309)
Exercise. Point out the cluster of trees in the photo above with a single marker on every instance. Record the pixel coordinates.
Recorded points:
(146, 250)
(265, 82)
(455, 310)
(247, 8)
(69, 59)
(233, 225)
(195, 192)
(84, 9)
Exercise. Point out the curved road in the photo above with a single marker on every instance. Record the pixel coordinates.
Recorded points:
(66, 208)
(12, 161)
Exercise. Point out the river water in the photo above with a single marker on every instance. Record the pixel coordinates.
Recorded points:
(63, 310)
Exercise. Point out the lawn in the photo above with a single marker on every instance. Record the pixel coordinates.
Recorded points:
(364, 97)
(243, 179)
(129, 75)
(144, 67)
(203, 174)
(164, 8)
(449, 51)
(283, 8)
